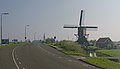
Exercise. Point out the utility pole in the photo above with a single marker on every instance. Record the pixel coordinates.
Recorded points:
(26, 31)
(1, 24)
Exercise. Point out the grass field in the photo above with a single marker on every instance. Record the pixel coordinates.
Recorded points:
(11, 44)
(114, 52)
(103, 62)
(6, 45)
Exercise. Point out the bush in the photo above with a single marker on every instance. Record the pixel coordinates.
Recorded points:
(69, 46)
(50, 40)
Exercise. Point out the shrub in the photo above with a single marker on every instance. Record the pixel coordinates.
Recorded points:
(69, 46)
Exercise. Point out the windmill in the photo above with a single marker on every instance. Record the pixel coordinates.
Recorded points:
(82, 39)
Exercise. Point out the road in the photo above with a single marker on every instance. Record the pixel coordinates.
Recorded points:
(38, 56)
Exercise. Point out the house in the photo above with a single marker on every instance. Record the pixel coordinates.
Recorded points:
(105, 43)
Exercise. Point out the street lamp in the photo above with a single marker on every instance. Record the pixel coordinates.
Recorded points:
(25, 31)
(1, 23)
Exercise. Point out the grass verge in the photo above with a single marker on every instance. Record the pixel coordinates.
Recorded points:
(73, 53)
(103, 62)
(12, 44)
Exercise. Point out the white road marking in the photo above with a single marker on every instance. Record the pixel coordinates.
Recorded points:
(17, 58)
(53, 54)
(59, 57)
(48, 52)
(44, 49)
(14, 58)
(70, 60)
(19, 62)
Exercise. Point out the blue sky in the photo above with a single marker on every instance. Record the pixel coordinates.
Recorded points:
(49, 16)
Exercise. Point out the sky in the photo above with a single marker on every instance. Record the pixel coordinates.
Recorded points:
(49, 17)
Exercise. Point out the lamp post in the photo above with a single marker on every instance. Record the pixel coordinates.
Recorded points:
(25, 31)
(1, 23)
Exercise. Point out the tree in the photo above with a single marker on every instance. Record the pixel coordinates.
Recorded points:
(50, 40)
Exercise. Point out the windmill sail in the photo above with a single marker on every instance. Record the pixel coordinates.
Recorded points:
(70, 26)
(82, 35)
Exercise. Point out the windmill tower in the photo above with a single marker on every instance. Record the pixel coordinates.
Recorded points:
(82, 39)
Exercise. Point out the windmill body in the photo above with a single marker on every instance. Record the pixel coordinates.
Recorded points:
(81, 31)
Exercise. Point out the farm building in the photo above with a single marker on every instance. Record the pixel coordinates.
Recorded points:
(104, 43)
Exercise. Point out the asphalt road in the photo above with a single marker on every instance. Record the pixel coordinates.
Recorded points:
(38, 56)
